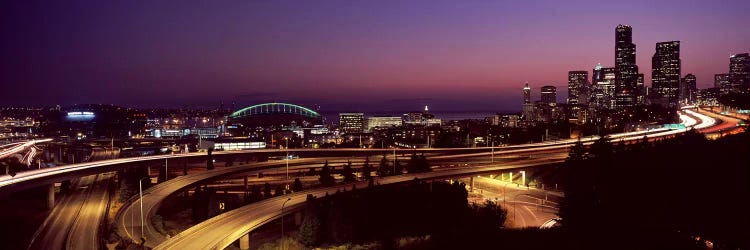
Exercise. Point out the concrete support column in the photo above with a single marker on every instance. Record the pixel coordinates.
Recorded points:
(148, 171)
(298, 218)
(471, 184)
(245, 242)
(51, 196)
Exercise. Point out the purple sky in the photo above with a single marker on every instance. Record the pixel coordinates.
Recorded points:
(363, 55)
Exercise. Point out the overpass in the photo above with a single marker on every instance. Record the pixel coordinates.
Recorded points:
(222, 230)
(46, 176)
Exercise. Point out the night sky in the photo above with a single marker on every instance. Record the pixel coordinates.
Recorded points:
(343, 55)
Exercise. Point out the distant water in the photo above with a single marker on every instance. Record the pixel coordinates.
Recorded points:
(445, 116)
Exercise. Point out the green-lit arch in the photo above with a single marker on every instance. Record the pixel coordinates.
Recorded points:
(275, 108)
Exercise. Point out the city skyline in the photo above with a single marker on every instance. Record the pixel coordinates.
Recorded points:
(342, 57)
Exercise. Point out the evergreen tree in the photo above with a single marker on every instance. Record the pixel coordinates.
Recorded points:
(367, 169)
(348, 173)
(577, 152)
(310, 231)
(210, 160)
(326, 179)
(384, 169)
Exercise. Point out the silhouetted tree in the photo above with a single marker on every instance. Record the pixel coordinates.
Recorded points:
(279, 190)
(210, 159)
(384, 169)
(310, 231)
(367, 169)
(326, 179)
(348, 173)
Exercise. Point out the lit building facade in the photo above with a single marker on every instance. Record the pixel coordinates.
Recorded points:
(688, 89)
(351, 122)
(577, 85)
(721, 81)
(549, 95)
(603, 87)
(666, 72)
(739, 72)
(626, 91)
(383, 122)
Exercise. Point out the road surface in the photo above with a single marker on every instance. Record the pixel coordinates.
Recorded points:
(75, 218)
(222, 230)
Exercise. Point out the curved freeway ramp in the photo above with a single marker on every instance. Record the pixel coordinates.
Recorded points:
(222, 230)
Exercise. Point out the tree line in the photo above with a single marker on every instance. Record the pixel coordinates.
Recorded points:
(385, 213)
(679, 193)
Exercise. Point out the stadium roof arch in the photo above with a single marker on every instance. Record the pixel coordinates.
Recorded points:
(274, 108)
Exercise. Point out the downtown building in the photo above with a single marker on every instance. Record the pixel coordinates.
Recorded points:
(603, 87)
(665, 74)
(528, 112)
(626, 82)
(739, 73)
(351, 122)
(688, 90)
(721, 82)
(578, 94)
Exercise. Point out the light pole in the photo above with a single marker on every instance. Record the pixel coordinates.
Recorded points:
(493, 152)
(287, 157)
(394, 159)
(282, 219)
(166, 169)
(140, 190)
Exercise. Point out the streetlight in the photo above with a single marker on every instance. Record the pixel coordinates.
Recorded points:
(140, 190)
(287, 157)
(493, 152)
(282, 219)
(394, 159)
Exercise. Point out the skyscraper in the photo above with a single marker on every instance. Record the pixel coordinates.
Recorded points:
(603, 87)
(721, 81)
(549, 95)
(526, 94)
(688, 89)
(641, 98)
(666, 71)
(577, 84)
(528, 107)
(739, 72)
(627, 70)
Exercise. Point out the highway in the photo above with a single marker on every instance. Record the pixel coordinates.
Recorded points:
(524, 205)
(16, 147)
(66, 172)
(154, 197)
(74, 221)
(222, 230)
(85, 232)
(161, 191)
